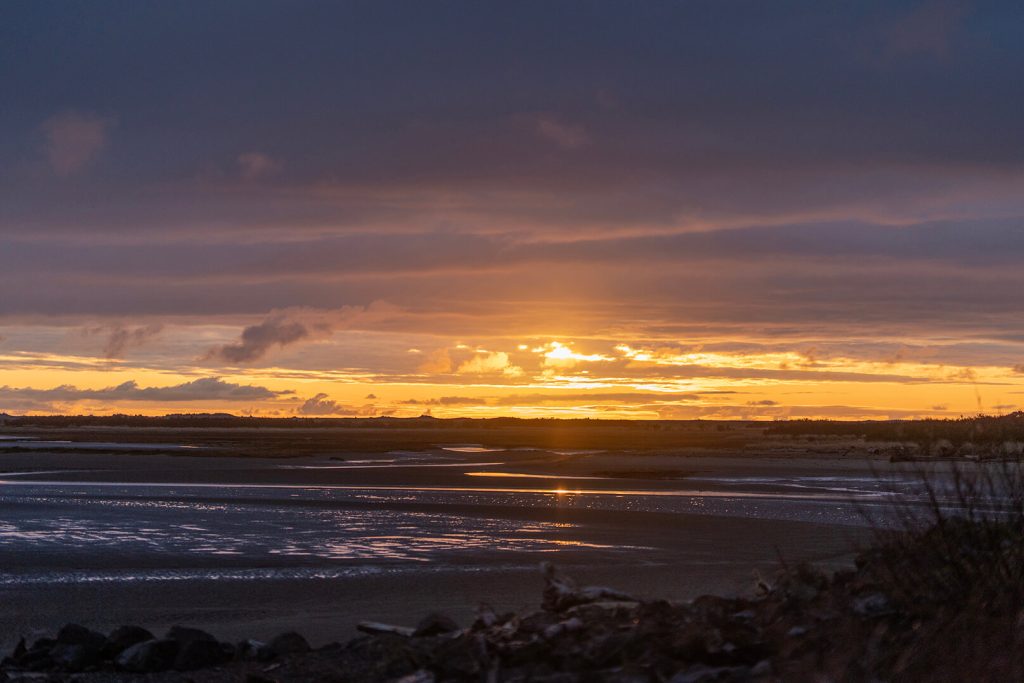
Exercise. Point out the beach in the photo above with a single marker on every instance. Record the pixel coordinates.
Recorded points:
(250, 547)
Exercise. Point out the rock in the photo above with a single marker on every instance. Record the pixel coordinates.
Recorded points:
(623, 676)
(122, 638)
(421, 676)
(258, 678)
(567, 626)
(803, 583)
(486, 617)
(200, 654)
(289, 643)
(560, 677)
(387, 656)
(709, 674)
(253, 649)
(75, 634)
(68, 657)
(19, 649)
(796, 632)
(603, 609)
(77, 648)
(42, 644)
(184, 634)
(36, 660)
(149, 656)
(872, 605)
(462, 658)
(434, 624)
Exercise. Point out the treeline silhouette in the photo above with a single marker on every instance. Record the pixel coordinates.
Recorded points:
(226, 421)
(982, 430)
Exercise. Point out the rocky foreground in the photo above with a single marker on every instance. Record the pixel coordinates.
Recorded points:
(804, 625)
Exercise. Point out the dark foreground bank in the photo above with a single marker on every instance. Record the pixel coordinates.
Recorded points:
(901, 614)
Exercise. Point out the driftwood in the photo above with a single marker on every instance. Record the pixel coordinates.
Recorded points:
(377, 628)
(561, 592)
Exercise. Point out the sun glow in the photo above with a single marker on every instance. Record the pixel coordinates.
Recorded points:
(557, 354)
(529, 376)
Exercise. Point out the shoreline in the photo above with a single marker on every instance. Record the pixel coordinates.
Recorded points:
(681, 551)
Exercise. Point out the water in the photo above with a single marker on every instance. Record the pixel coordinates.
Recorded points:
(238, 527)
(158, 540)
(458, 507)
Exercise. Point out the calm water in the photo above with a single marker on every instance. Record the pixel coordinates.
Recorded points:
(57, 531)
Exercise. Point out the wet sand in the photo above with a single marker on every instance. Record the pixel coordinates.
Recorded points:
(256, 546)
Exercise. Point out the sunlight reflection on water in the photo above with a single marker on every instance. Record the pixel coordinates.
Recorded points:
(195, 528)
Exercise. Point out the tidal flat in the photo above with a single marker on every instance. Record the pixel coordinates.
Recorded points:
(233, 531)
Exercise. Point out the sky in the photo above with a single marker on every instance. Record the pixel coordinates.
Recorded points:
(688, 209)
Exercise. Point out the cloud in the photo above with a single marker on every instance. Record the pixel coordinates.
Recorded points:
(74, 139)
(289, 326)
(765, 402)
(437, 362)
(446, 401)
(564, 135)
(624, 398)
(204, 389)
(322, 405)
(254, 165)
(121, 338)
(489, 362)
(580, 398)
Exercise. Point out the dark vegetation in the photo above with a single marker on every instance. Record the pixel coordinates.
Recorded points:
(974, 437)
(223, 420)
(293, 437)
(982, 435)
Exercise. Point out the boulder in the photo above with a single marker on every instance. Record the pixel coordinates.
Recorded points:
(41, 645)
(75, 634)
(68, 657)
(461, 659)
(200, 654)
(872, 605)
(288, 643)
(122, 638)
(184, 634)
(258, 678)
(77, 647)
(149, 656)
(434, 624)
(36, 660)
(421, 676)
(709, 674)
(253, 649)
(20, 649)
